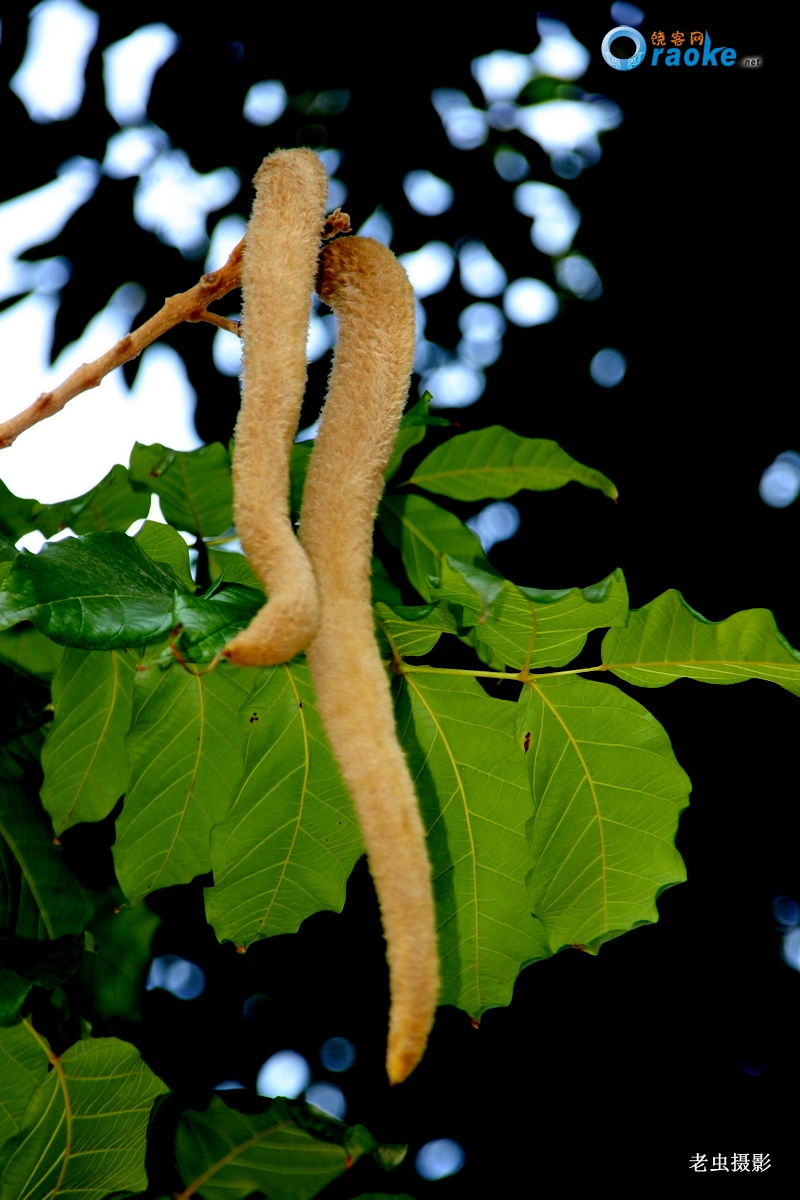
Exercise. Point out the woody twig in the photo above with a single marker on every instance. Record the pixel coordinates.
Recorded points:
(185, 306)
(189, 306)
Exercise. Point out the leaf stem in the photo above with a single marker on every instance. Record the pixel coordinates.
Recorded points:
(62, 1080)
(404, 668)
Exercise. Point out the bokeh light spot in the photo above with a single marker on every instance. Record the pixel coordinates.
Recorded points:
(440, 1158)
(608, 368)
(183, 979)
(481, 273)
(626, 14)
(454, 384)
(255, 1006)
(427, 193)
(786, 911)
(50, 78)
(780, 483)
(429, 268)
(284, 1074)
(511, 166)
(495, 523)
(790, 949)
(328, 1098)
(337, 1054)
(130, 66)
(265, 102)
(530, 302)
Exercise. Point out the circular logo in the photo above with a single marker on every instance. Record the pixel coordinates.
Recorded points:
(624, 64)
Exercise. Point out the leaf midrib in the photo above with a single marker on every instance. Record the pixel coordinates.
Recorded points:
(467, 818)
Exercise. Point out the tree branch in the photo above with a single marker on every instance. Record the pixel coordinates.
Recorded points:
(185, 306)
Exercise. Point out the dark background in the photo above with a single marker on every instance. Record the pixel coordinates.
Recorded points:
(609, 1068)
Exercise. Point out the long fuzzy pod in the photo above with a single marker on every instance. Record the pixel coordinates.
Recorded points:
(367, 288)
(278, 276)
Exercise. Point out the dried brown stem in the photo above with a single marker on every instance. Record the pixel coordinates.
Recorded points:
(185, 306)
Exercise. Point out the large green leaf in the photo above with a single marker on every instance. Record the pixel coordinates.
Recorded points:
(208, 622)
(231, 567)
(185, 749)
(26, 962)
(83, 1132)
(475, 799)
(165, 545)
(527, 627)
(13, 990)
(608, 793)
(17, 516)
(21, 1068)
(98, 592)
(495, 462)
(668, 640)
(414, 631)
(39, 896)
(112, 505)
(118, 950)
(290, 840)
(223, 1154)
(25, 649)
(424, 533)
(84, 759)
(194, 486)
(411, 432)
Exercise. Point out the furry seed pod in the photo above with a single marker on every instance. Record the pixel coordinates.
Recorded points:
(278, 276)
(367, 288)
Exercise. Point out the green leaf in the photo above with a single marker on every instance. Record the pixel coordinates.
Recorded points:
(16, 514)
(414, 631)
(185, 750)
(608, 792)
(22, 1066)
(383, 589)
(475, 800)
(13, 991)
(39, 895)
(290, 840)
(98, 592)
(83, 1132)
(111, 506)
(118, 953)
(495, 463)
(45, 963)
(223, 1154)
(165, 545)
(232, 568)
(27, 650)
(84, 759)
(27, 962)
(411, 432)
(194, 486)
(668, 640)
(298, 469)
(527, 627)
(424, 533)
(209, 622)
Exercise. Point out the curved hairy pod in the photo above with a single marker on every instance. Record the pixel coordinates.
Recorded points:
(278, 276)
(365, 285)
